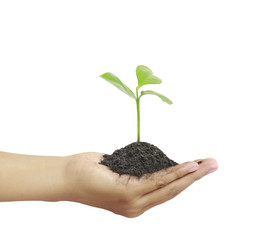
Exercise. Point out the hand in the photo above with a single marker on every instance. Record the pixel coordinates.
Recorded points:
(96, 185)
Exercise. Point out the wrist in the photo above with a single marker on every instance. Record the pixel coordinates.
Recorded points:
(57, 186)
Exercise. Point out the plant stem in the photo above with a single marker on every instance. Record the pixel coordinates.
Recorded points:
(138, 115)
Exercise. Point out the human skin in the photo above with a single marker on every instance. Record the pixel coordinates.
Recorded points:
(80, 178)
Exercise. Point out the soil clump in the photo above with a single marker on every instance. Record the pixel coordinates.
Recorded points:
(137, 159)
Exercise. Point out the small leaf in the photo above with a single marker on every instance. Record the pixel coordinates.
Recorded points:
(110, 77)
(145, 76)
(163, 98)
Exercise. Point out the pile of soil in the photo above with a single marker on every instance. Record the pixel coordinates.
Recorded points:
(137, 159)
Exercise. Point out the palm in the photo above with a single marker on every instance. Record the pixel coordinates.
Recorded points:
(96, 185)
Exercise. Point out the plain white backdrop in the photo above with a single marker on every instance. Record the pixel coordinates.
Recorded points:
(214, 58)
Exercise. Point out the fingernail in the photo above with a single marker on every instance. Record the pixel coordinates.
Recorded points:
(193, 168)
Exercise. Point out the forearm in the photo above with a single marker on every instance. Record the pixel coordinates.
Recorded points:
(28, 177)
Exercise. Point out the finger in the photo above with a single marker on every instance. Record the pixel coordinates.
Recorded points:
(176, 187)
(161, 178)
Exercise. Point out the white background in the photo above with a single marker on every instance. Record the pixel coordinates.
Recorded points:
(214, 58)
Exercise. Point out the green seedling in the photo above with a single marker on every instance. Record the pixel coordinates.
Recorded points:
(144, 76)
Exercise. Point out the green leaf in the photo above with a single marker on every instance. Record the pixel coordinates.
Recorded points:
(163, 98)
(145, 76)
(110, 77)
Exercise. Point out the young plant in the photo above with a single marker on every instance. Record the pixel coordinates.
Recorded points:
(144, 76)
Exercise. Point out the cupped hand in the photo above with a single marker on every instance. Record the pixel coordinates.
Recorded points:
(96, 185)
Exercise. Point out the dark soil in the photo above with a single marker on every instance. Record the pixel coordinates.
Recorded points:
(137, 159)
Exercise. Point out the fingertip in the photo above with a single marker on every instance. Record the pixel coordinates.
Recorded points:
(211, 171)
(208, 165)
(212, 165)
